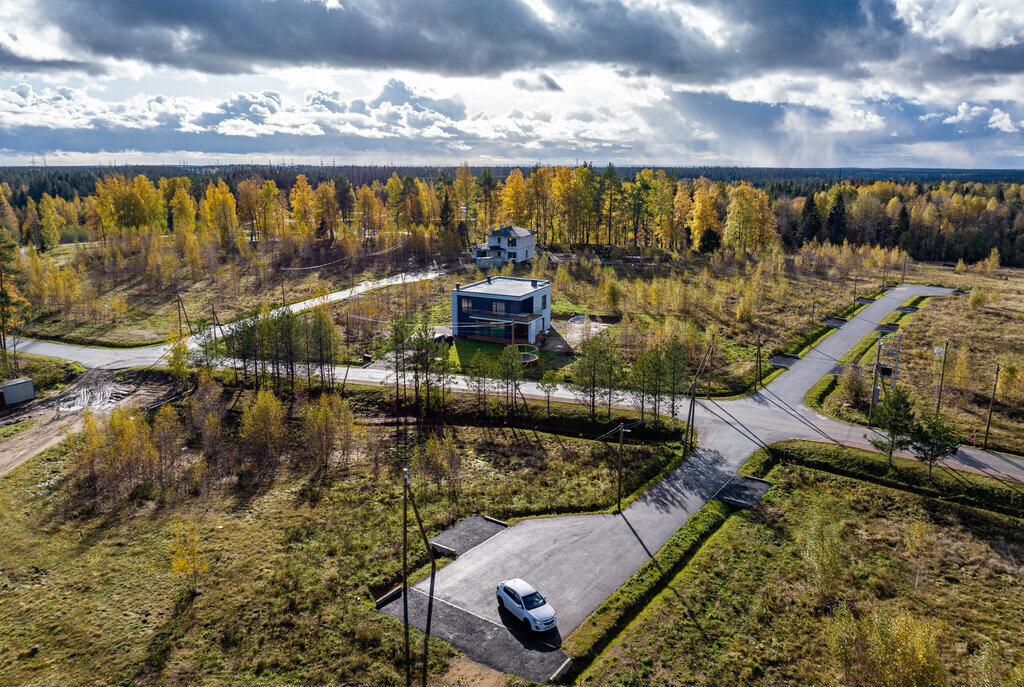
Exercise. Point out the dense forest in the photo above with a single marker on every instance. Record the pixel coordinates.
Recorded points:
(213, 225)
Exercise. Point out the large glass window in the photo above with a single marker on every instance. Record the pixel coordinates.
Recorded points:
(543, 301)
(498, 306)
(464, 304)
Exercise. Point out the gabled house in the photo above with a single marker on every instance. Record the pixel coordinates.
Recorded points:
(502, 309)
(505, 244)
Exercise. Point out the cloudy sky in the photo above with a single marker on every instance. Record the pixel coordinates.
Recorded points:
(908, 83)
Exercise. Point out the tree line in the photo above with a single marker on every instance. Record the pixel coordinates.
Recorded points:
(172, 233)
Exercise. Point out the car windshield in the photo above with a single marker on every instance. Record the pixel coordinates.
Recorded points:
(534, 600)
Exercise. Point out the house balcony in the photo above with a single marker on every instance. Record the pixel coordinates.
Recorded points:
(508, 317)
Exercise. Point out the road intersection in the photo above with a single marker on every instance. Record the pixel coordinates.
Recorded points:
(578, 561)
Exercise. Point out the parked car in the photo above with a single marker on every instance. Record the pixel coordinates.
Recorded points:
(524, 602)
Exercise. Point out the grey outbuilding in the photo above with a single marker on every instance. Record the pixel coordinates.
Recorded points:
(16, 391)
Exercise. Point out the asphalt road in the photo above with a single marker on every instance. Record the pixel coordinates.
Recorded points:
(116, 358)
(578, 561)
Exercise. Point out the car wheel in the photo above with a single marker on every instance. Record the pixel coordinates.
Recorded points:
(526, 624)
(501, 603)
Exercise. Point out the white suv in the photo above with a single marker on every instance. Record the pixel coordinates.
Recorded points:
(525, 603)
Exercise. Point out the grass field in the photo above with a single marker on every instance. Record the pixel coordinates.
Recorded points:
(743, 610)
(293, 565)
(984, 335)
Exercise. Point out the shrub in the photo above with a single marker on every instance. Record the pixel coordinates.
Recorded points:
(978, 298)
(745, 308)
(853, 385)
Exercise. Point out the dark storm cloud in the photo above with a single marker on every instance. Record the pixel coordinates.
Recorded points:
(9, 62)
(539, 82)
(479, 38)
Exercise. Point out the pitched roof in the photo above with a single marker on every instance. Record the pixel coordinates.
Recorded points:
(509, 230)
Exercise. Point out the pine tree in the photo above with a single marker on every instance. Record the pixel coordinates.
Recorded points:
(810, 220)
(894, 416)
(836, 221)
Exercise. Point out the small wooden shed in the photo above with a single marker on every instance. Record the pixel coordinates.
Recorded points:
(16, 391)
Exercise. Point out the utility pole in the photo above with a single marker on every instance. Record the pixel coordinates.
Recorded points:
(758, 384)
(181, 304)
(813, 303)
(903, 274)
(711, 354)
(405, 571)
(942, 377)
(991, 402)
(433, 571)
(619, 507)
(874, 382)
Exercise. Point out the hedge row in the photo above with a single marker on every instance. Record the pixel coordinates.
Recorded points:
(962, 487)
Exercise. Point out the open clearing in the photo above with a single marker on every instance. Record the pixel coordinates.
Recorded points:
(294, 563)
(743, 609)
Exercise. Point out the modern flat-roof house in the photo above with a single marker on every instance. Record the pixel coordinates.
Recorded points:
(502, 309)
(505, 244)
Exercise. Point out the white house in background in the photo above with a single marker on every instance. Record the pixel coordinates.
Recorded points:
(505, 244)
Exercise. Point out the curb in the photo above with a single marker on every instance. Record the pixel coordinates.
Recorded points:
(443, 550)
(488, 518)
(388, 598)
(561, 672)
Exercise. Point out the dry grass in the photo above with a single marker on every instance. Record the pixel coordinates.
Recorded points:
(96, 596)
(743, 612)
(992, 333)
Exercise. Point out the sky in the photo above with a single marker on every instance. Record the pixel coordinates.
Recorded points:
(794, 83)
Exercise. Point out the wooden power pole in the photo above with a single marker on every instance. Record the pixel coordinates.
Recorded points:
(405, 571)
(991, 402)
(758, 383)
(874, 381)
(942, 377)
(619, 501)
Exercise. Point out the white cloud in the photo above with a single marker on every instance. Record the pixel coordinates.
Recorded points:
(1001, 121)
(976, 24)
(964, 114)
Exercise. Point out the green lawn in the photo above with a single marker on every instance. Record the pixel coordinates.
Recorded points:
(464, 350)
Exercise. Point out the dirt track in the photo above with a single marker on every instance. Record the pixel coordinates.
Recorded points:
(95, 390)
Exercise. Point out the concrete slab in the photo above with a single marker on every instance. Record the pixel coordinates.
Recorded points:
(907, 309)
(834, 322)
(864, 300)
(743, 491)
(888, 328)
(784, 360)
(466, 534)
